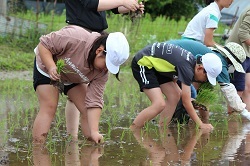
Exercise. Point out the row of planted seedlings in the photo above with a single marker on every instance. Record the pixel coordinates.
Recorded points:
(129, 101)
(19, 107)
(123, 102)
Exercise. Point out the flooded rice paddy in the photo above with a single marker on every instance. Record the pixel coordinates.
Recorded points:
(228, 144)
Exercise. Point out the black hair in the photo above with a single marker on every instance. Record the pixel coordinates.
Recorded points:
(96, 44)
(229, 62)
(207, 2)
(199, 59)
(117, 75)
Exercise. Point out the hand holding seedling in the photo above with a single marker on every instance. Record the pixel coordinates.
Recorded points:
(131, 5)
(199, 106)
(137, 13)
(53, 74)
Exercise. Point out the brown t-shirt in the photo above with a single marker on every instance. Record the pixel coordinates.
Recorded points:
(72, 44)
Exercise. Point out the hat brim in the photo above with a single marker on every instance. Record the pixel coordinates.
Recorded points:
(238, 67)
(117, 51)
(211, 79)
(111, 68)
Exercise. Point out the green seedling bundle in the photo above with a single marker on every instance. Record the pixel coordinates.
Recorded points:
(207, 95)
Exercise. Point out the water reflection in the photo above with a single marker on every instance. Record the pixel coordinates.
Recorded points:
(156, 151)
(41, 156)
(237, 146)
(74, 155)
(228, 144)
(168, 148)
(167, 152)
(90, 155)
(4, 157)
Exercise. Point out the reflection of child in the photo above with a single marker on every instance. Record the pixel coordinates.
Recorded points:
(87, 56)
(201, 27)
(167, 150)
(157, 67)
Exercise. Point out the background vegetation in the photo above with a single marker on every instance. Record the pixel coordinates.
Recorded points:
(17, 50)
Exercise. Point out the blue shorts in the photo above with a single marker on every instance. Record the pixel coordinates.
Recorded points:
(238, 79)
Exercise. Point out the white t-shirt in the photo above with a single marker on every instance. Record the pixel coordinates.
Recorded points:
(208, 17)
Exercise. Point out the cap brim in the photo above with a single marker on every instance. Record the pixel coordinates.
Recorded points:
(111, 68)
(211, 79)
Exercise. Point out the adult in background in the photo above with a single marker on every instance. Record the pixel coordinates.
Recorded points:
(91, 16)
(241, 34)
(85, 60)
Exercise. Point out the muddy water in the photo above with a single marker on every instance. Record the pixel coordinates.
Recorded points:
(228, 144)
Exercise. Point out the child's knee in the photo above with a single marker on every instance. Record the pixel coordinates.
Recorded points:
(160, 105)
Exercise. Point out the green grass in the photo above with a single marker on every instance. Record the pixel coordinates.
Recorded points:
(17, 52)
(15, 59)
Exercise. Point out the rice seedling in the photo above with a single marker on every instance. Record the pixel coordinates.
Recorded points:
(207, 95)
(122, 135)
(60, 64)
(108, 135)
(113, 115)
(147, 127)
(17, 145)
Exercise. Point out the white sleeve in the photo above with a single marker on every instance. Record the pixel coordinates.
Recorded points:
(232, 97)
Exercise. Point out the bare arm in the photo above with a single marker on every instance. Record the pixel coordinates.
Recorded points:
(48, 61)
(208, 39)
(186, 99)
(94, 115)
(111, 4)
(122, 9)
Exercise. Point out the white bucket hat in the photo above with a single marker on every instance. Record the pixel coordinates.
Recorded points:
(213, 66)
(235, 53)
(117, 49)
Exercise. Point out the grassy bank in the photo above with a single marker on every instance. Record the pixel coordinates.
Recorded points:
(17, 52)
